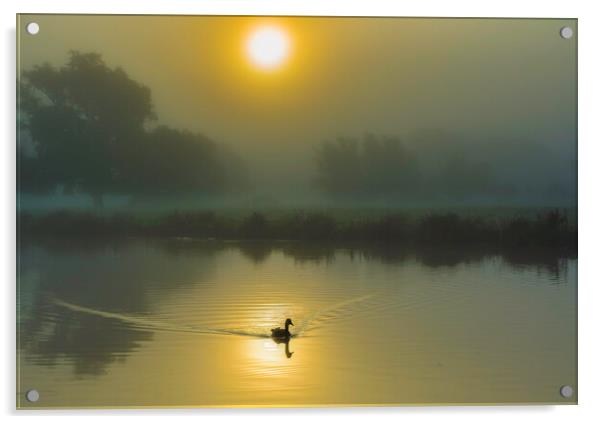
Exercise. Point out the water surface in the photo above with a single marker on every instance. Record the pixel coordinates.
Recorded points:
(186, 323)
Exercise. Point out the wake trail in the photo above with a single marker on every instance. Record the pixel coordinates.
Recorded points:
(331, 312)
(138, 322)
(144, 323)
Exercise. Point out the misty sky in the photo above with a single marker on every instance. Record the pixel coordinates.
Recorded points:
(504, 82)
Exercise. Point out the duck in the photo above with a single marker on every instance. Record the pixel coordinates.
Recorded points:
(282, 333)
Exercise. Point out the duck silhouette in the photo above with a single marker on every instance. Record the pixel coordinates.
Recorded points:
(282, 334)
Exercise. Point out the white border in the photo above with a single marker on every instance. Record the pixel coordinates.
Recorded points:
(590, 213)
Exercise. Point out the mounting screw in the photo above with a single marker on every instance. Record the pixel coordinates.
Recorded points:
(32, 28)
(566, 391)
(566, 32)
(32, 395)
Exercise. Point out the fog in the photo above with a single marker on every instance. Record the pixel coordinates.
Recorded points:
(166, 112)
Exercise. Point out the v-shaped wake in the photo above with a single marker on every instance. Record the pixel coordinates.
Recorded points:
(315, 320)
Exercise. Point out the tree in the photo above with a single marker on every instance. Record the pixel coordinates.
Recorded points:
(87, 128)
(339, 166)
(81, 119)
(432, 168)
(372, 166)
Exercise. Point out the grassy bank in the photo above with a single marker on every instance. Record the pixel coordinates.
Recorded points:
(547, 228)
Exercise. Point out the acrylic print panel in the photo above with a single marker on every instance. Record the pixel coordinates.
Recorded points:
(296, 211)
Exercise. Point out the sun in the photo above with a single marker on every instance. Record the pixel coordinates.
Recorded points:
(268, 47)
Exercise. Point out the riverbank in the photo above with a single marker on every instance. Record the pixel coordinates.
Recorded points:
(550, 228)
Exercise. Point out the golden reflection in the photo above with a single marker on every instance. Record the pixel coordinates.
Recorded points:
(264, 351)
(342, 346)
(267, 350)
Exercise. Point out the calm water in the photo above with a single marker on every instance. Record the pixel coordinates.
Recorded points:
(185, 323)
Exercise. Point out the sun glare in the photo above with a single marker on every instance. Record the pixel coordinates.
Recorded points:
(268, 47)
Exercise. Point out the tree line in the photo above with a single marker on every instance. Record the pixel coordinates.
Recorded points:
(380, 166)
(549, 228)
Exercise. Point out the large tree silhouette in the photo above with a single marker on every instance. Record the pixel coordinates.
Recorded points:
(85, 128)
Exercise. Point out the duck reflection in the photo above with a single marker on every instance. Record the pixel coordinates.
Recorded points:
(286, 342)
(283, 335)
